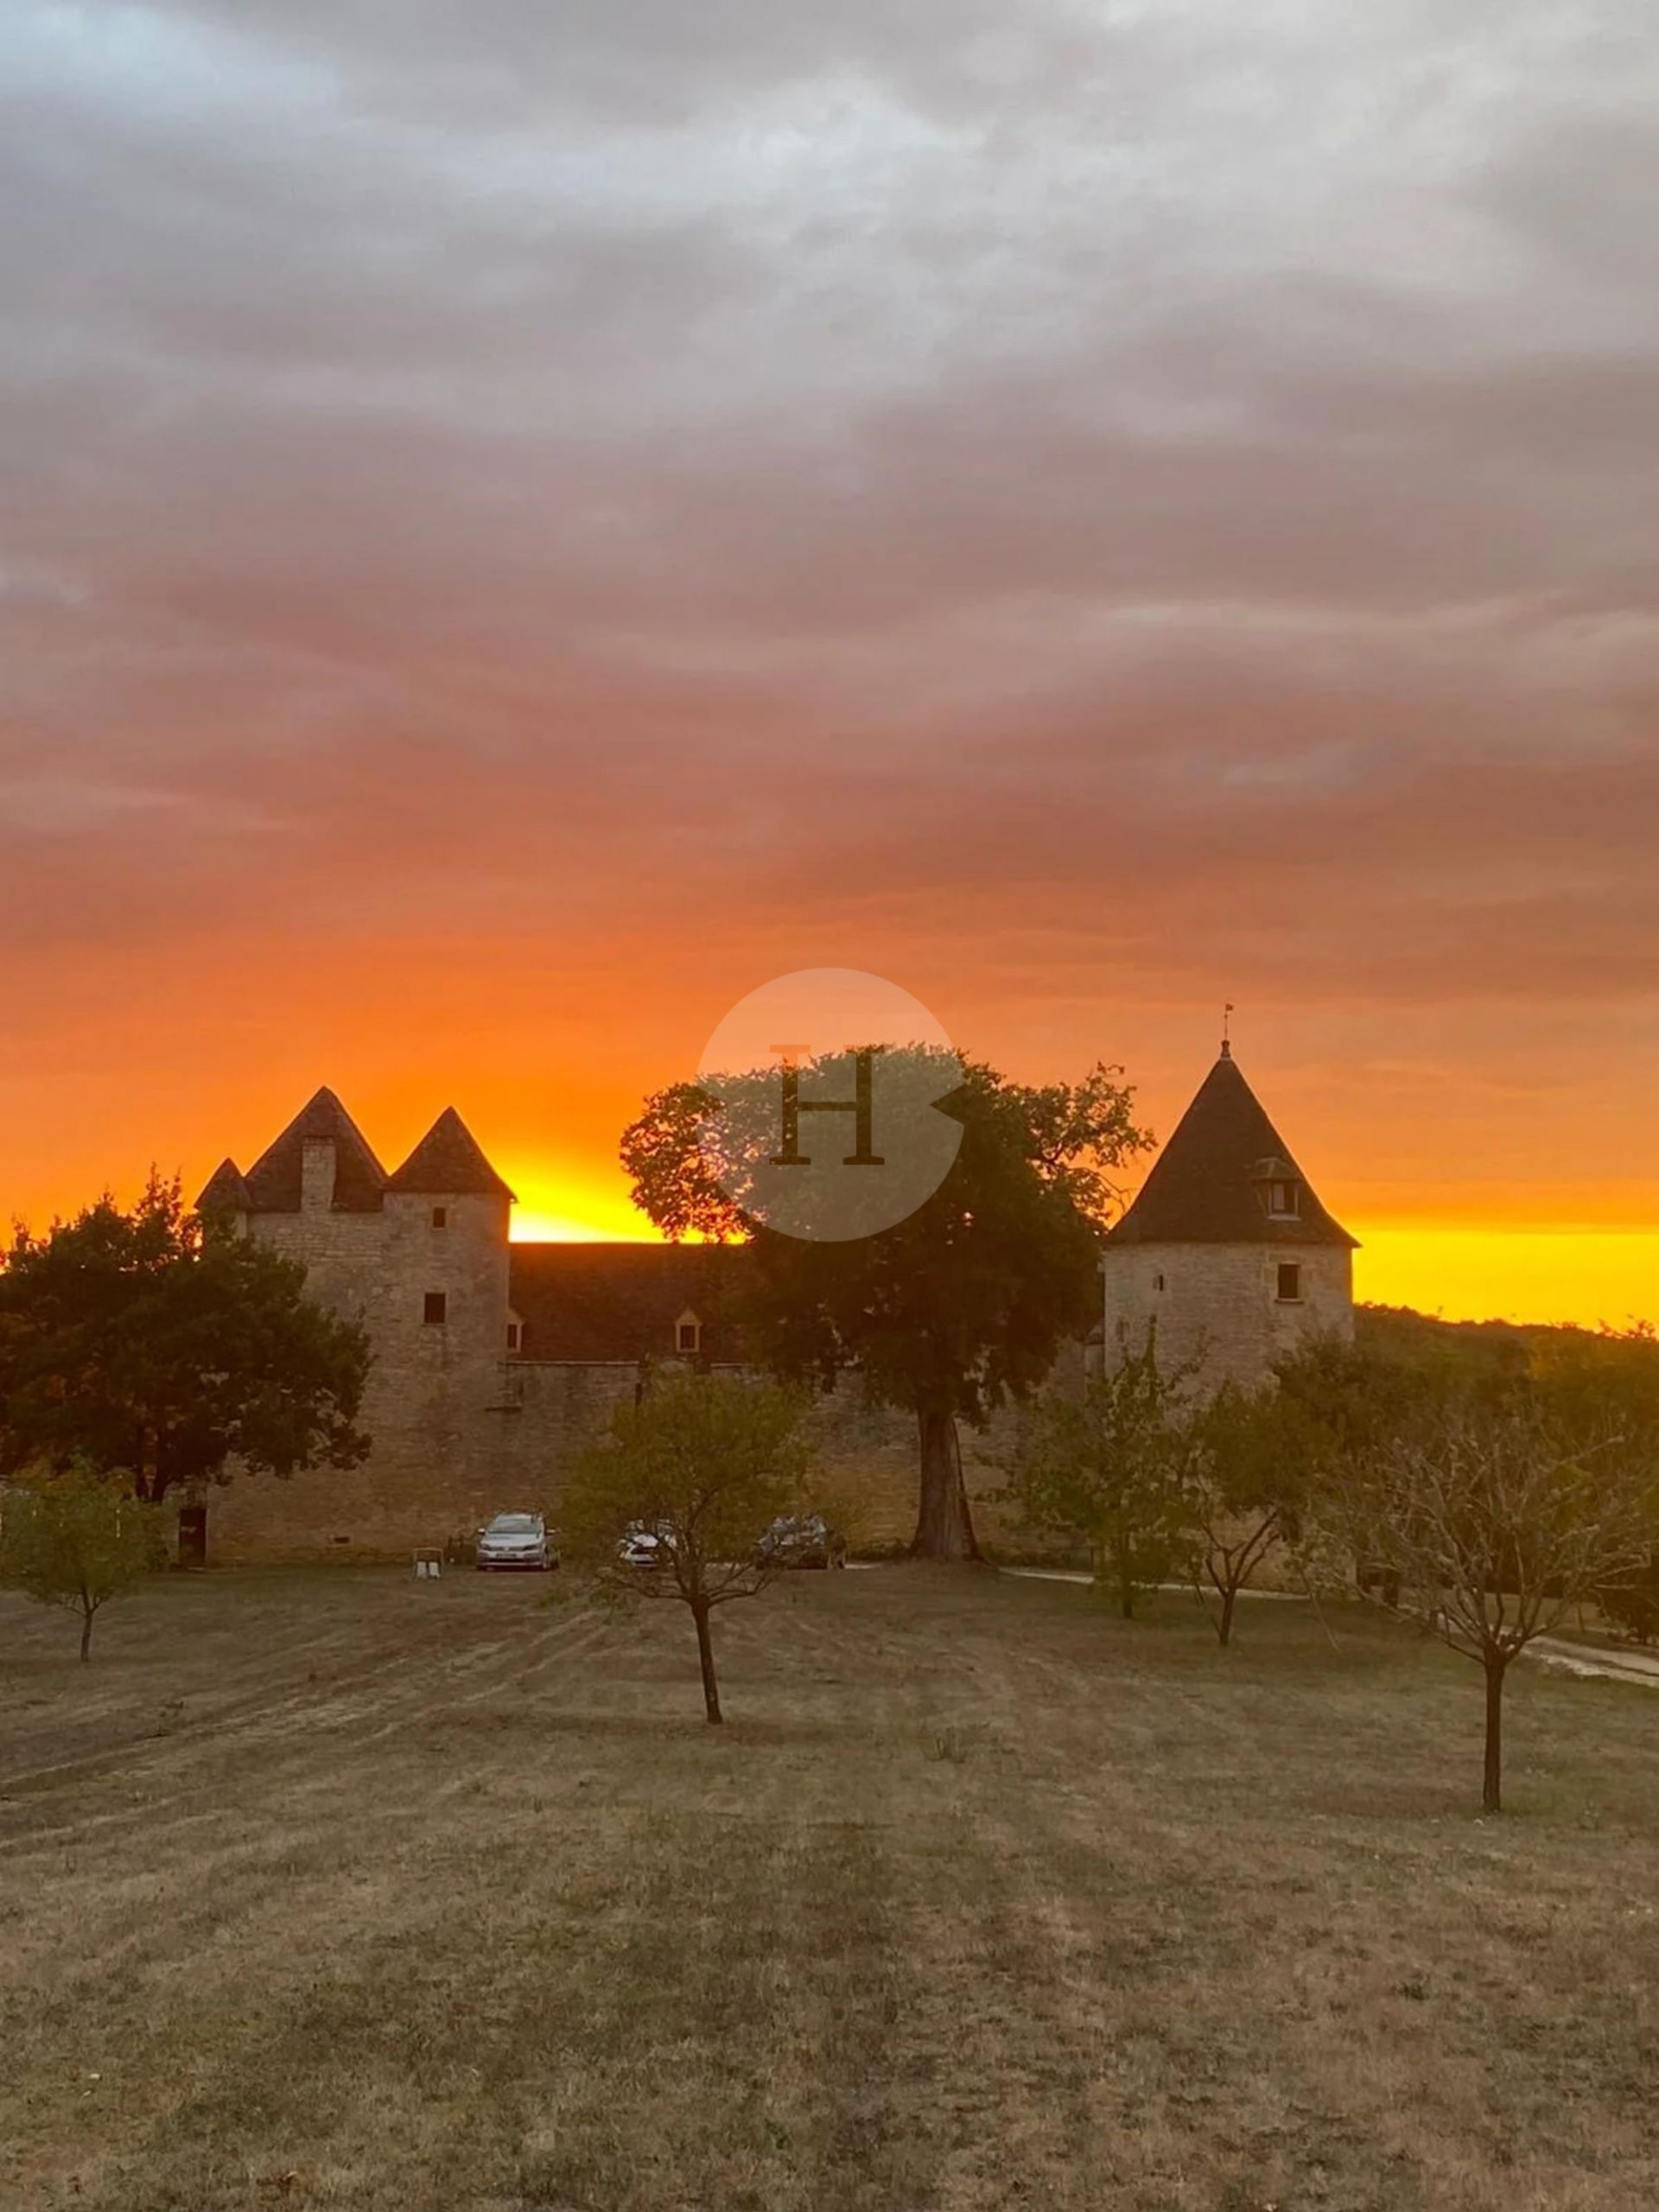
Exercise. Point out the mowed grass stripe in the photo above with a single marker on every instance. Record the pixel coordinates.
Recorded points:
(983, 1899)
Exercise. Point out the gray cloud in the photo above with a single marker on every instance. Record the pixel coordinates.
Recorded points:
(901, 446)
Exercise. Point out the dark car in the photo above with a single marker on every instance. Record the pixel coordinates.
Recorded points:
(801, 1539)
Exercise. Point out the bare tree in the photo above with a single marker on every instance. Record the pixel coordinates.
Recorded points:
(1493, 1522)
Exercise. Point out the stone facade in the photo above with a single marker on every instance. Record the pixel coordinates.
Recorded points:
(1222, 1305)
(495, 1362)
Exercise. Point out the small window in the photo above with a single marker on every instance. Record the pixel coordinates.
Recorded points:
(440, 1217)
(688, 1334)
(1290, 1283)
(1284, 1201)
(1157, 1282)
(436, 1311)
(515, 1336)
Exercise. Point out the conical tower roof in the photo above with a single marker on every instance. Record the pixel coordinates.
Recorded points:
(448, 1162)
(224, 1191)
(273, 1182)
(1211, 1183)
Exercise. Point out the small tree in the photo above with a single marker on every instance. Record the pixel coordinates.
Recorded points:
(704, 1464)
(1259, 1453)
(1115, 1467)
(77, 1542)
(1492, 1522)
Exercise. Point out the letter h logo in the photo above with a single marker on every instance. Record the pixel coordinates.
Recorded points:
(860, 1105)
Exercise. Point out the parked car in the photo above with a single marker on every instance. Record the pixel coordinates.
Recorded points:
(517, 1540)
(801, 1539)
(643, 1545)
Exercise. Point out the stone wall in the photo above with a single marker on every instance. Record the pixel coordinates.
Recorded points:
(431, 1479)
(1219, 1301)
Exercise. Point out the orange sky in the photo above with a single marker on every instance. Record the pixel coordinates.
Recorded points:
(523, 524)
(1443, 1155)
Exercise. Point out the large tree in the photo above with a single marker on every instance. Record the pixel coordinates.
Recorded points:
(147, 1344)
(950, 1312)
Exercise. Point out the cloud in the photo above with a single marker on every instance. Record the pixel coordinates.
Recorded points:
(1144, 495)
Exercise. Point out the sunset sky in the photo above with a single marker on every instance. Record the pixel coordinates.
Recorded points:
(522, 523)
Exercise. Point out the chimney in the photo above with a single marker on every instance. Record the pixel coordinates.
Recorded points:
(317, 1175)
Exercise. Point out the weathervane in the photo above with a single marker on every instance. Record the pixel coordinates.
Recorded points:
(1226, 1039)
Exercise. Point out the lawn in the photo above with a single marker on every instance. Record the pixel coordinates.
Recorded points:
(344, 1889)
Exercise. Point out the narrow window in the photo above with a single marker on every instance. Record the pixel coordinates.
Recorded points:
(440, 1217)
(515, 1336)
(436, 1311)
(1290, 1283)
(688, 1336)
(1283, 1202)
(1158, 1282)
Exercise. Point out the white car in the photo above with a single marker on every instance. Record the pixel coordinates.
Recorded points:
(645, 1547)
(517, 1540)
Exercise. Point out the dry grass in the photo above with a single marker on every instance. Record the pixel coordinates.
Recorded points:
(340, 1889)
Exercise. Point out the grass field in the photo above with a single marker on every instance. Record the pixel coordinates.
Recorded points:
(341, 1890)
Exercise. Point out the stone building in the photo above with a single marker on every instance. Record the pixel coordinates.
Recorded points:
(495, 1361)
(1226, 1249)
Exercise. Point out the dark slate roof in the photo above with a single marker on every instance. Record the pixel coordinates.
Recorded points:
(622, 1301)
(1208, 1186)
(448, 1163)
(273, 1181)
(224, 1191)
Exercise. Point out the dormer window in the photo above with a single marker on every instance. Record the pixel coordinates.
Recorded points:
(1284, 1199)
(688, 1335)
(515, 1336)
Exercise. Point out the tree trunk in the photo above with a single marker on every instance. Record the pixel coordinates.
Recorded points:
(945, 1528)
(1125, 1586)
(1229, 1599)
(706, 1660)
(1491, 1795)
(85, 1636)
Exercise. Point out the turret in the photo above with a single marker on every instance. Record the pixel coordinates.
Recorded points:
(1227, 1247)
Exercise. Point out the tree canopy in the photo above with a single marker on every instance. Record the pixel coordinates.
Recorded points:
(144, 1343)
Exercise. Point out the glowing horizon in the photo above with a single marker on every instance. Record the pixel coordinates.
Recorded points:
(1553, 1272)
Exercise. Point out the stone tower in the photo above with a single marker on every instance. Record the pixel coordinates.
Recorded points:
(1226, 1248)
(421, 1256)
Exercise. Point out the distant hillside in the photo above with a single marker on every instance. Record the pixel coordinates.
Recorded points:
(1400, 1336)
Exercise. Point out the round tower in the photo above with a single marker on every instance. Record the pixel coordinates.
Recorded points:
(1226, 1249)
